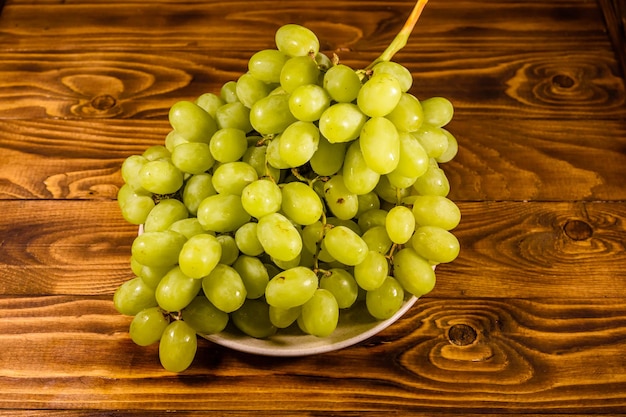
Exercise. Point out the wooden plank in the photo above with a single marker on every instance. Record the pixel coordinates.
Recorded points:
(471, 355)
(234, 25)
(541, 85)
(498, 159)
(509, 249)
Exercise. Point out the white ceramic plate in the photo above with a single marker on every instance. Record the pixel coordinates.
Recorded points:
(355, 326)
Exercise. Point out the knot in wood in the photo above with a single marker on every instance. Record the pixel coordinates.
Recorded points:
(563, 81)
(578, 230)
(462, 335)
(103, 102)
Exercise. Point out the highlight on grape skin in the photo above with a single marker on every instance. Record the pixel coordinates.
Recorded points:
(292, 194)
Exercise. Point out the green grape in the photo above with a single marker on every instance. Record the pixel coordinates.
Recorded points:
(284, 317)
(298, 71)
(298, 143)
(131, 167)
(398, 71)
(233, 115)
(292, 287)
(301, 204)
(250, 89)
(204, 317)
(135, 207)
(435, 210)
(323, 61)
(414, 159)
(253, 319)
(341, 122)
(358, 177)
(372, 218)
(210, 102)
(407, 116)
(400, 224)
(261, 197)
(432, 182)
(380, 144)
(308, 102)
(399, 181)
(265, 65)
(385, 301)
(156, 152)
(228, 92)
(178, 346)
(164, 214)
(135, 266)
(222, 213)
(224, 288)
(173, 139)
(199, 255)
(160, 177)
(158, 248)
(367, 202)
(176, 290)
(228, 144)
(133, 296)
(342, 83)
(413, 272)
(192, 122)
(342, 285)
(247, 240)
(438, 111)
(279, 237)
(284, 265)
(320, 314)
(255, 156)
(312, 234)
(307, 259)
(233, 177)
(432, 138)
(151, 275)
(435, 244)
(253, 274)
(328, 158)
(187, 227)
(379, 95)
(341, 202)
(345, 245)
(296, 40)
(451, 150)
(147, 326)
(389, 193)
(377, 239)
(272, 154)
(192, 157)
(230, 251)
(271, 114)
(372, 271)
(197, 188)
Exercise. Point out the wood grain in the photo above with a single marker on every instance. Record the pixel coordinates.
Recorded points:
(521, 84)
(522, 355)
(509, 249)
(237, 25)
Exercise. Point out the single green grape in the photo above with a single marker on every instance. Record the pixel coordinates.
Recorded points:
(133, 296)
(224, 288)
(253, 319)
(345, 245)
(249, 89)
(413, 272)
(342, 83)
(192, 157)
(390, 193)
(279, 237)
(451, 150)
(433, 139)
(397, 71)
(256, 157)
(228, 92)
(300, 203)
(436, 210)
(292, 287)
(265, 65)
(204, 317)
(380, 145)
(199, 255)
(210, 102)
(400, 181)
(155, 152)
(341, 202)
(197, 188)
(147, 326)
(358, 177)
(320, 314)
(432, 182)
(178, 346)
(400, 224)
(158, 248)
(228, 144)
(372, 271)
(187, 227)
(176, 290)
(261, 197)
(271, 114)
(135, 207)
(296, 40)
(254, 275)
(377, 239)
(222, 213)
(342, 285)
(233, 177)
(367, 202)
(164, 214)
(230, 251)
(298, 143)
(308, 102)
(372, 218)
(328, 158)
(191, 121)
(408, 115)
(414, 159)
(435, 244)
(298, 71)
(284, 317)
(130, 171)
(160, 177)
(247, 239)
(233, 115)
(379, 95)
(438, 111)
(385, 301)
(341, 122)
(151, 275)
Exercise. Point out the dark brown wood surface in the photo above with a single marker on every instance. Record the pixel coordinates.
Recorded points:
(531, 317)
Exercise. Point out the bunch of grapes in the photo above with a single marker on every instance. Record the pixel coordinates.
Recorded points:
(303, 188)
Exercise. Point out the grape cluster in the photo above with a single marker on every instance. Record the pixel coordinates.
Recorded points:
(304, 187)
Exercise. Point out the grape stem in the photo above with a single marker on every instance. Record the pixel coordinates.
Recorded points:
(402, 37)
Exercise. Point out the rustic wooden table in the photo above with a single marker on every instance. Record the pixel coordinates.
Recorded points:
(530, 318)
